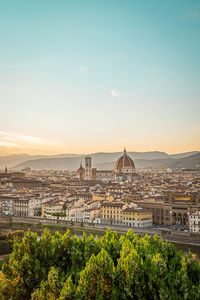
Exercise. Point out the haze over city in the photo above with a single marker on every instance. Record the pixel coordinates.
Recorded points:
(90, 76)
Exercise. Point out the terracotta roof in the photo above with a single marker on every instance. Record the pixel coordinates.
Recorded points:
(124, 162)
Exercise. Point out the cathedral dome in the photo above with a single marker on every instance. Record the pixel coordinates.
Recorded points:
(81, 172)
(80, 168)
(125, 164)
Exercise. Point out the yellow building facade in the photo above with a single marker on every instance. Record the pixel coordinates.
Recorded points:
(111, 212)
(137, 217)
(97, 197)
(119, 213)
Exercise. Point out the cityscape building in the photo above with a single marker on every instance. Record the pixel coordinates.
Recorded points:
(194, 222)
(153, 197)
(88, 168)
(125, 167)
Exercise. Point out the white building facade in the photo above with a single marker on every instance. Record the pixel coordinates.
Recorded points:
(194, 222)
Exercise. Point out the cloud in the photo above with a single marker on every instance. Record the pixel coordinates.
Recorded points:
(17, 140)
(115, 93)
(7, 144)
(83, 70)
(30, 139)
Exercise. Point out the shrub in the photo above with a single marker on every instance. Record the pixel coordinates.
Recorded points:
(127, 267)
(6, 247)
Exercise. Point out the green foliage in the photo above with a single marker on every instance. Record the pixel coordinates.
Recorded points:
(111, 267)
(110, 242)
(97, 279)
(12, 235)
(68, 291)
(60, 214)
(49, 289)
(7, 239)
(6, 247)
(2, 261)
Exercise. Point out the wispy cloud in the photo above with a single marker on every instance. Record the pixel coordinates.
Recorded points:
(115, 93)
(83, 70)
(9, 138)
(7, 144)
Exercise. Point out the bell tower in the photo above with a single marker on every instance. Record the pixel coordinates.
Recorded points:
(88, 168)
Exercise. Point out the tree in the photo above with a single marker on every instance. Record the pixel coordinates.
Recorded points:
(127, 267)
(97, 279)
(49, 289)
(68, 291)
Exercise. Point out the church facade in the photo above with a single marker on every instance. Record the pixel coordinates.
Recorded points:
(124, 170)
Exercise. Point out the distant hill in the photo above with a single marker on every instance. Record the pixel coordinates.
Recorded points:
(12, 160)
(192, 161)
(15, 159)
(182, 155)
(107, 161)
(63, 163)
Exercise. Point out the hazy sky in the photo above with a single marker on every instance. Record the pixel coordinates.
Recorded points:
(83, 76)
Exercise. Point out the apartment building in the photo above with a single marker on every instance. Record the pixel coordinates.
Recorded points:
(111, 212)
(137, 217)
(6, 206)
(51, 208)
(21, 207)
(194, 222)
(35, 205)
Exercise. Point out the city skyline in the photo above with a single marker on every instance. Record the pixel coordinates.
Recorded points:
(83, 77)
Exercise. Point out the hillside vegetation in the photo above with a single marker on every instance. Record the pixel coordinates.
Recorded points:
(109, 267)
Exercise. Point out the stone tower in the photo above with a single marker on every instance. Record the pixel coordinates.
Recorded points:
(88, 168)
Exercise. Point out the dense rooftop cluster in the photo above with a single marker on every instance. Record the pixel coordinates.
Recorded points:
(172, 196)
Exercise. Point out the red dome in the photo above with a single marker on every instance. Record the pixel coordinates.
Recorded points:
(124, 162)
(80, 169)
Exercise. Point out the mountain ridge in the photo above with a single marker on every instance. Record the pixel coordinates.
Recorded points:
(106, 160)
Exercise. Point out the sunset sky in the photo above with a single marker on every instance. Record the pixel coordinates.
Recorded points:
(89, 76)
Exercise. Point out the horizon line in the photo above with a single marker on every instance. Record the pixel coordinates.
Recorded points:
(91, 153)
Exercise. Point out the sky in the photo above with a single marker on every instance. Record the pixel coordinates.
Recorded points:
(91, 76)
